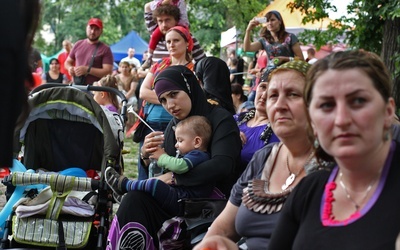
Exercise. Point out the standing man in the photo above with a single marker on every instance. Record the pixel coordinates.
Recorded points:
(88, 70)
(166, 16)
(131, 59)
(62, 57)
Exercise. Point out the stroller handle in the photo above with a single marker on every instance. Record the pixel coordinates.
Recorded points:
(88, 88)
(57, 181)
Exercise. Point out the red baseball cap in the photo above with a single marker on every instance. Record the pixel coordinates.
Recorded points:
(96, 22)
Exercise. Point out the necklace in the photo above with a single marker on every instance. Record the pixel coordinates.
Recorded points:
(267, 132)
(292, 176)
(356, 205)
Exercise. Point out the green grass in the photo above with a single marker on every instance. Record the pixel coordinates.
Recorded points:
(131, 158)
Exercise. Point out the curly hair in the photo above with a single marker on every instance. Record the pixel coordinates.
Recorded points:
(169, 10)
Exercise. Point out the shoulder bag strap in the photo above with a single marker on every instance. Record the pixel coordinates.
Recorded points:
(94, 54)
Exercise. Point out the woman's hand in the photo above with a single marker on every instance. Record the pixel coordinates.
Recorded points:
(151, 142)
(156, 154)
(253, 23)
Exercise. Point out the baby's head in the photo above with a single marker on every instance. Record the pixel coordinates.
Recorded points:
(192, 133)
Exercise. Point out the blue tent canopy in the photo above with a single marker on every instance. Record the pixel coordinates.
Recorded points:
(132, 40)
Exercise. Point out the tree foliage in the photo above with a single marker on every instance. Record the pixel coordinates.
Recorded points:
(372, 25)
(67, 19)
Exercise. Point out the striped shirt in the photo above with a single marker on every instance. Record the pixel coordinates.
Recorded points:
(161, 49)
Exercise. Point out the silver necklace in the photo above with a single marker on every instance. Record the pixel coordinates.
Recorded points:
(292, 176)
(356, 205)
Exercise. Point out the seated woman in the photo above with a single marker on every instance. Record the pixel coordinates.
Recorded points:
(357, 203)
(54, 75)
(127, 82)
(139, 214)
(254, 126)
(214, 76)
(238, 97)
(259, 194)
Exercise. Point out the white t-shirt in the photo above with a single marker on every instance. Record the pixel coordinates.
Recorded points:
(132, 60)
(311, 61)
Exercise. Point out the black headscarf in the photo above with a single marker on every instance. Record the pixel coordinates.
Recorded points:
(185, 80)
(214, 73)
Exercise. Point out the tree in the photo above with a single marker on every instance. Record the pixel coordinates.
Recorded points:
(373, 25)
(67, 20)
(208, 18)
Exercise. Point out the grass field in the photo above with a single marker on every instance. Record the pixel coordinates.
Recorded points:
(131, 158)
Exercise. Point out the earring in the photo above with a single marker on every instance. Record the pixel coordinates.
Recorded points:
(386, 135)
(316, 143)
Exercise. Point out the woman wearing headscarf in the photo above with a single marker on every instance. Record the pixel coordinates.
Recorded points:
(260, 193)
(214, 75)
(140, 221)
(180, 44)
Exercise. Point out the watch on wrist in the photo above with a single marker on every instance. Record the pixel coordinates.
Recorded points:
(143, 156)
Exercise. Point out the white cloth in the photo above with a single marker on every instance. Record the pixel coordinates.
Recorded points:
(73, 205)
(131, 61)
(311, 61)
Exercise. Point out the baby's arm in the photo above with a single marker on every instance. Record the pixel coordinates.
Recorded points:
(184, 164)
(174, 164)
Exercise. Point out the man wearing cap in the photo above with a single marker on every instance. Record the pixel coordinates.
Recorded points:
(88, 70)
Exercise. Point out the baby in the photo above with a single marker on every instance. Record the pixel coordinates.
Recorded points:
(193, 135)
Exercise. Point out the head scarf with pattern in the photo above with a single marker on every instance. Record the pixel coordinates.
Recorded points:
(298, 65)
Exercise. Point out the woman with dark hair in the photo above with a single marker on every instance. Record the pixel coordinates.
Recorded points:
(355, 205)
(140, 222)
(238, 97)
(54, 74)
(280, 45)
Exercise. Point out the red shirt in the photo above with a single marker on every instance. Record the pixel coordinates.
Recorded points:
(62, 58)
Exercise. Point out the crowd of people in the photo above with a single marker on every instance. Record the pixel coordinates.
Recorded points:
(312, 160)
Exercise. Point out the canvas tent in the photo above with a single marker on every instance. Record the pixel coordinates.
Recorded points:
(132, 40)
(293, 19)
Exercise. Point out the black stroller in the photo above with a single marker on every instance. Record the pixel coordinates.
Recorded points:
(66, 129)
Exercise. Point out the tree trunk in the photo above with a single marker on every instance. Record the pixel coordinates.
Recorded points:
(390, 48)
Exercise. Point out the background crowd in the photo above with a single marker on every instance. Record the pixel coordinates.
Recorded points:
(307, 154)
